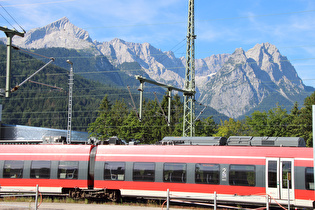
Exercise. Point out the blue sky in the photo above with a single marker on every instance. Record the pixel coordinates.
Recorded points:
(220, 26)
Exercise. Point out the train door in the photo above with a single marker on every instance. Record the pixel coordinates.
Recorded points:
(278, 170)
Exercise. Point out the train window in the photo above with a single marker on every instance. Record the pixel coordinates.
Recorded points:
(40, 169)
(272, 174)
(206, 173)
(286, 169)
(68, 169)
(174, 172)
(114, 171)
(242, 175)
(13, 169)
(309, 178)
(144, 172)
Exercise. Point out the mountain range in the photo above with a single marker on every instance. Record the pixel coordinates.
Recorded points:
(233, 84)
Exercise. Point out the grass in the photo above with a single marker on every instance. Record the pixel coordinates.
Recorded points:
(127, 202)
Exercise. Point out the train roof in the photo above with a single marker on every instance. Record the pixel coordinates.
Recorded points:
(200, 140)
(45, 152)
(236, 141)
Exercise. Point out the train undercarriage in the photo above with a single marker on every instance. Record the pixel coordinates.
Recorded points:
(104, 194)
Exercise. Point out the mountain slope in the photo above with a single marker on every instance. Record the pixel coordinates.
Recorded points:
(232, 84)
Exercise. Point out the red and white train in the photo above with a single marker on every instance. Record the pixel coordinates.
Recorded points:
(236, 174)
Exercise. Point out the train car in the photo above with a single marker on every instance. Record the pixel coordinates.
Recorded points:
(237, 174)
(55, 168)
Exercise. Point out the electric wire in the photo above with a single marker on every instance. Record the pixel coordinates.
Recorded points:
(30, 52)
(38, 3)
(255, 16)
(115, 70)
(196, 20)
(8, 22)
(12, 19)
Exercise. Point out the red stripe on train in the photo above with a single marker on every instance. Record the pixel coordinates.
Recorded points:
(66, 183)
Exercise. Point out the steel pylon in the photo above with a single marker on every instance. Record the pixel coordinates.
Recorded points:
(189, 98)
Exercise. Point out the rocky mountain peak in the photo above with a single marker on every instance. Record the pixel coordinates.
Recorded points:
(269, 60)
(239, 51)
(263, 53)
(61, 33)
(248, 78)
(59, 24)
(117, 41)
(239, 55)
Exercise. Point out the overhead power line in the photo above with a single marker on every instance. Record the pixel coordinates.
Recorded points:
(38, 3)
(208, 20)
(12, 19)
(253, 16)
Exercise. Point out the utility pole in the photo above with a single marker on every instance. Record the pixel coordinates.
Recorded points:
(70, 103)
(9, 33)
(189, 99)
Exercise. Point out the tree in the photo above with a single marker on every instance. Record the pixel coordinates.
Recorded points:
(117, 115)
(232, 128)
(131, 127)
(153, 121)
(257, 122)
(305, 120)
(277, 122)
(295, 122)
(272, 123)
(99, 128)
(117, 120)
(205, 127)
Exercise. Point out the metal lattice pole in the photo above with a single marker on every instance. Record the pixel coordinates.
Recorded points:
(70, 103)
(189, 99)
(189, 86)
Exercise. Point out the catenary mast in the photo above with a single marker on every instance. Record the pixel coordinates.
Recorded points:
(189, 98)
(189, 86)
(70, 103)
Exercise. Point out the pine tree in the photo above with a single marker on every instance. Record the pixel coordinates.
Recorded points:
(99, 128)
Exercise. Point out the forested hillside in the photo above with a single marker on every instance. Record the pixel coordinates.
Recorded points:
(37, 105)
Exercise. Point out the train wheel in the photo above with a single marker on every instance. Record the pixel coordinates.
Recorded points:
(76, 193)
(82, 195)
(114, 195)
(72, 193)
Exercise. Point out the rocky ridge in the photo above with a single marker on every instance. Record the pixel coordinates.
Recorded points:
(232, 84)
